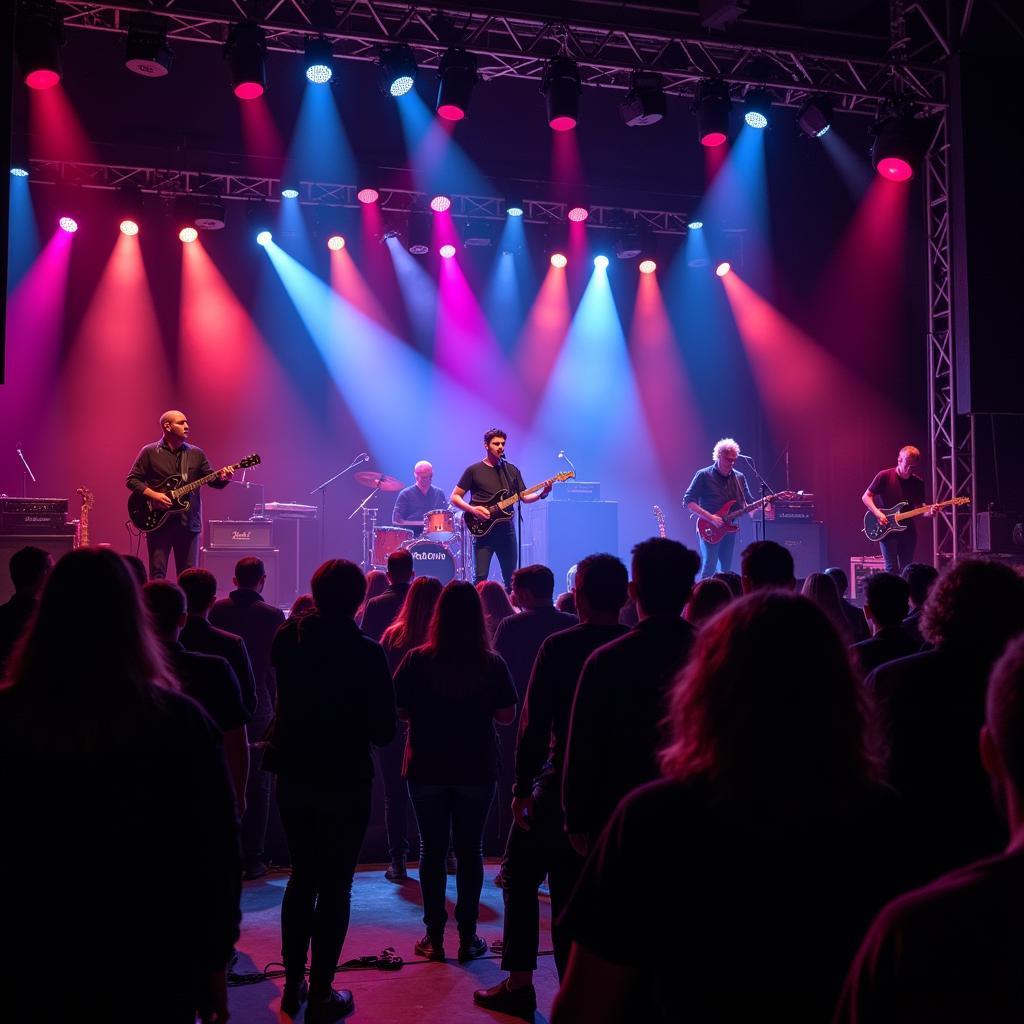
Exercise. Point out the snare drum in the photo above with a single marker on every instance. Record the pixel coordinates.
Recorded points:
(431, 558)
(387, 539)
(439, 524)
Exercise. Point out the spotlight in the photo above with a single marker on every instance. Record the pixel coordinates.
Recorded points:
(264, 238)
(712, 106)
(420, 229)
(129, 208)
(68, 224)
(19, 171)
(367, 195)
(440, 203)
(815, 117)
(188, 234)
(648, 266)
(695, 225)
(898, 146)
(246, 53)
(645, 102)
(578, 214)
(146, 51)
(561, 87)
(38, 37)
(514, 207)
(447, 250)
(319, 61)
(558, 260)
(397, 67)
(210, 214)
(289, 186)
(601, 262)
(757, 107)
(129, 227)
(336, 243)
(456, 78)
(629, 244)
(723, 268)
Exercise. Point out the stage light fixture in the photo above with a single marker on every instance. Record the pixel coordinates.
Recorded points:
(447, 250)
(629, 244)
(559, 260)
(38, 37)
(367, 195)
(319, 60)
(695, 225)
(562, 87)
(264, 238)
(397, 68)
(19, 172)
(289, 185)
(188, 234)
(601, 262)
(246, 53)
(648, 266)
(420, 231)
(723, 268)
(210, 214)
(898, 146)
(129, 206)
(336, 243)
(129, 227)
(712, 106)
(814, 118)
(456, 77)
(145, 50)
(757, 107)
(68, 224)
(578, 214)
(514, 207)
(440, 203)
(645, 102)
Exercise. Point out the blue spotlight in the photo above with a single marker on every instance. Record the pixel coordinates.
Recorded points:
(601, 262)
(19, 172)
(695, 225)
(319, 61)
(514, 208)
(290, 193)
(264, 238)
(397, 68)
(757, 108)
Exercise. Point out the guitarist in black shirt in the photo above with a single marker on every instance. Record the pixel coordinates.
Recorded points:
(889, 489)
(173, 456)
(485, 481)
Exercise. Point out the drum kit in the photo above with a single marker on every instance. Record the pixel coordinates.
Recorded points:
(439, 551)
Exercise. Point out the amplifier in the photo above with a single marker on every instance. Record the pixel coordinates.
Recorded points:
(289, 508)
(860, 569)
(56, 544)
(1000, 533)
(226, 533)
(33, 522)
(221, 562)
(793, 511)
(577, 490)
(35, 506)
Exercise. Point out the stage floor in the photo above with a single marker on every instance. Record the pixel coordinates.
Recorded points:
(386, 914)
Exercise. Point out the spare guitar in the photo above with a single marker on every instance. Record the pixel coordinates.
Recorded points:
(730, 512)
(501, 507)
(874, 530)
(147, 515)
(660, 518)
(83, 517)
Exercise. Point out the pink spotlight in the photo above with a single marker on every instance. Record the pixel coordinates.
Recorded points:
(42, 78)
(578, 214)
(447, 251)
(723, 268)
(129, 227)
(451, 112)
(440, 203)
(188, 234)
(893, 168)
(712, 139)
(336, 243)
(367, 195)
(648, 266)
(558, 260)
(68, 224)
(563, 123)
(249, 90)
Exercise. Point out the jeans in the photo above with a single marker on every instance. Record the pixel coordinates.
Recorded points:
(172, 536)
(459, 812)
(501, 541)
(325, 829)
(898, 549)
(720, 553)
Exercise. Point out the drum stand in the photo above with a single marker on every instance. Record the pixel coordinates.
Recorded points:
(369, 525)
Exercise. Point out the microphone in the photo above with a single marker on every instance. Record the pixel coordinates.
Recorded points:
(561, 454)
(747, 457)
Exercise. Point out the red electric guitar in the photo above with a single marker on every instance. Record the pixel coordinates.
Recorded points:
(730, 512)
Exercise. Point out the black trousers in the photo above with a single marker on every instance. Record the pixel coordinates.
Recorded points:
(325, 829)
(529, 856)
(898, 549)
(396, 795)
(176, 537)
(500, 541)
(258, 786)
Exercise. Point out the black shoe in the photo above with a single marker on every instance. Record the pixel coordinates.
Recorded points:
(429, 949)
(396, 872)
(471, 948)
(339, 1004)
(519, 1002)
(294, 995)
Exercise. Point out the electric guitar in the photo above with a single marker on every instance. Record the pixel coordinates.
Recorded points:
(874, 530)
(712, 534)
(501, 507)
(660, 517)
(147, 515)
(83, 517)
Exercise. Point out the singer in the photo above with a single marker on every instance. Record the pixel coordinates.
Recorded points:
(415, 501)
(485, 481)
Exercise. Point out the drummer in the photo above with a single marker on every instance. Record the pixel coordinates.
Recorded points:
(414, 502)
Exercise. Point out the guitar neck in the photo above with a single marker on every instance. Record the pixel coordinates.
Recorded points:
(736, 513)
(196, 484)
(512, 499)
(920, 511)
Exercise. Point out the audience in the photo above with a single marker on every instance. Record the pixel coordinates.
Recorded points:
(780, 839)
(303, 604)
(451, 691)
(822, 591)
(566, 603)
(29, 567)
(380, 611)
(708, 598)
(854, 616)
(334, 699)
(767, 564)
(120, 844)
(138, 568)
(732, 580)
(376, 584)
(497, 606)
(885, 607)
(953, 952)
(920, 578)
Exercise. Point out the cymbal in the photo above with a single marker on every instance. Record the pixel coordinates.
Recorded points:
(371, 478)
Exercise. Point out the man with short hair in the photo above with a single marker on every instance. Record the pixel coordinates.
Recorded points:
(767, 564)
(859, 628)
(381, 610)
(952, 952)
(889, 488)
(920, 579)
(29, 566)
(415, 501)
(885, 605)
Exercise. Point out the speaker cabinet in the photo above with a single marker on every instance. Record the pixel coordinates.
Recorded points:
(57, 544)
(1000, 533)
(806, 543)
(566, 531)
(221, 562)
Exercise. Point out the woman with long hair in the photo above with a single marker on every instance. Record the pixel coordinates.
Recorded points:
(411, 628)
(376, 584)
(496, 604)
(451, 691)
(822, 590)
(782, 841)
(103, 760)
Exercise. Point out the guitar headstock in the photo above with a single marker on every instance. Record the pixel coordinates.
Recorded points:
(659, 515)
(87, 497)
(249, 461)
(783, 496)
(560, 478)
(961, 501)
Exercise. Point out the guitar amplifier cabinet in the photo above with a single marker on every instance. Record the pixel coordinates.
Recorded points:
(861, 567)
(32, 522)
(806, 543)
(230, 533)
(221, 562)
(566, 531)
(56, 543)
(1000, 533)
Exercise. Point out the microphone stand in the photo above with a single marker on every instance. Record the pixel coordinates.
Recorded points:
(27, 474)
(765, 490)
(503, 462)
(322, 488)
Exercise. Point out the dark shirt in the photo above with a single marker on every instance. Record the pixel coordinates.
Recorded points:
(617, 727)
(451, 717)
(383, 609)
(711, 490)
(889, 488)
(334, 700)
(483, 483)
(518, 638)
(912, 627)
(761, 917)
(198, 635)
(211, 682)
(888, 644)
(544, 721)
(157, 461)
(412, 503)
(14, 616)
(859, 628)
(949, 953)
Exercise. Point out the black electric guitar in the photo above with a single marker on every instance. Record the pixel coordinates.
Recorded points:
(874, 530)
(147, 515)
(501, 506)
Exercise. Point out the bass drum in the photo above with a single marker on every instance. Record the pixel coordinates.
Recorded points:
(387, 539)
(430, 558)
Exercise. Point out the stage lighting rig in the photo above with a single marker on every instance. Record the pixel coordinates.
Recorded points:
(421, 228)
(629, 243)
(712, 106)
(900, 142)
(757, 107)
(562, 87)
(129, 206)
(815, 117)
(290, 185)
(145, 50)
(367, 195)
(457, 75)
(578, 214)
(514, 207)
(319, 61)
(397, 68)
(19, 157)
(210, 213)
(246, 53)
(645, 102)
(38, 37)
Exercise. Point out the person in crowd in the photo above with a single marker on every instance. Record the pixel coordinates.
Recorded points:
(537, 843)
(334, 700)
(376, 584)
(245, 613)
(303, 604)
(854, 616)
(103, 760)
(885, 607)
(200, 587)
(138, 568)
(782, 840)
(709, 597)
(29, 567)
(207, 678)
(733, 580)
(381, 610)
(822, 591)
(451, 691)
(920, 578)
(497, 606)
(620, 703)
(932, 706)
(952, 952)
(410, 629)
(767, 564)
(567, 603)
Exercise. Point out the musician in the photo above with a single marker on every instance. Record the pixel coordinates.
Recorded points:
(414, 502)
(709, 490)
(890, 487)
(173, 456)
(483, 480)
